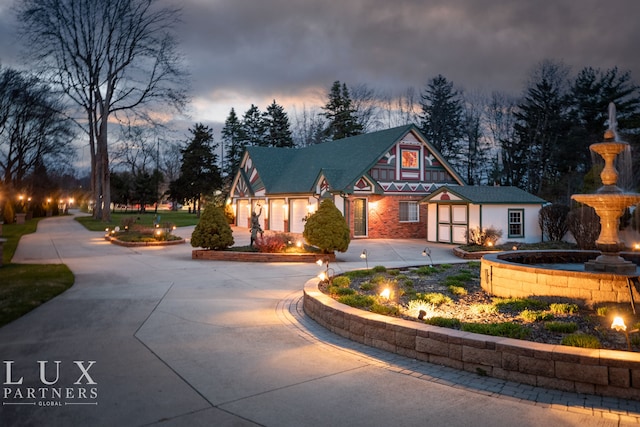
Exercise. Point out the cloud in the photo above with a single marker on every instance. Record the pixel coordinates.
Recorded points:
(246, 51)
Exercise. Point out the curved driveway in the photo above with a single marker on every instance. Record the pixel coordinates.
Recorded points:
(203, 343)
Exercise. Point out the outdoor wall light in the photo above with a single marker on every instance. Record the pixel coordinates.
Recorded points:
(365, 256)
(427, 252)
(618, 325)
(636, 247)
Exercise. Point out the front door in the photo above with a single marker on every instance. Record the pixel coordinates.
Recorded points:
(360, 217)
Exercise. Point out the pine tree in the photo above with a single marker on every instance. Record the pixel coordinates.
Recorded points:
(199, 173)
(278, 130)
(233, 139)
(542, 127)
(441, 117)
(253, 127)
(340, 113)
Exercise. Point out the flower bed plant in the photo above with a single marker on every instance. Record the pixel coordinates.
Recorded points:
(430, 294)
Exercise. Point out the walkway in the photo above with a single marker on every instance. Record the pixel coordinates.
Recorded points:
(181, 342)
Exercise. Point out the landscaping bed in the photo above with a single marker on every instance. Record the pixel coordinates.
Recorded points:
(451, 296)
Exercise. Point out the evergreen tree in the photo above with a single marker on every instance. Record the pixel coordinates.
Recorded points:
(340, 113)
(213, 230)
(253, 127)
(233, 139)
(441, 117)
(327, 229)
(543, 126)
(591, 92)
(199, 173)
(278, 130)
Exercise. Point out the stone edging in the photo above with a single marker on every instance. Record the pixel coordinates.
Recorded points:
(134, 244)
(590, 371)
(460, 253)
(257, 256)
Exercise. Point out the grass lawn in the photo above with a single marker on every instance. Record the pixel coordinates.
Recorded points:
(177, 218)
(24, 287)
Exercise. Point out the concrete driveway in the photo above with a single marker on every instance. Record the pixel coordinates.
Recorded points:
(147, 336)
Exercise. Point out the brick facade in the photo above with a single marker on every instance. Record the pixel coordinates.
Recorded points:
(384, 219)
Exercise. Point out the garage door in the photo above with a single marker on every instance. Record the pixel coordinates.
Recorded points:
(298, 211)
(276, 215)
(243, 213)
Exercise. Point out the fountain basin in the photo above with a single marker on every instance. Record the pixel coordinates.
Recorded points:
(521, 274)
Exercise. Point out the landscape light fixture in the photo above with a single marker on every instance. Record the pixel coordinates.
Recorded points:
(421, 314)
(427, 252)
(327, 275)
(365, 256)
(618, 325)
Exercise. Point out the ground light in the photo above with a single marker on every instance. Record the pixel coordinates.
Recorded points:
(618, 325)
(386, 293)
(427, 252)
(365, 256)
(327, 275)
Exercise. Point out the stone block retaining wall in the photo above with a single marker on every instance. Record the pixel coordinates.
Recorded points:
(501, 277)
(590, 371)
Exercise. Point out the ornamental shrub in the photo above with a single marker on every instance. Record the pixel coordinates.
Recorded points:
(213, 230)
(327, 229)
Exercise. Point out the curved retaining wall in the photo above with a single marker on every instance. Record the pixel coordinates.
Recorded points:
(257, 256)
(515, 275)
(601, 372)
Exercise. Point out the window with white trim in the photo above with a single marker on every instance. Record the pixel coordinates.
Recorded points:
(409, 212)
(516, 223)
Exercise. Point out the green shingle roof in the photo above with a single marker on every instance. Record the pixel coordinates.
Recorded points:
(490, 194)
(295, 170)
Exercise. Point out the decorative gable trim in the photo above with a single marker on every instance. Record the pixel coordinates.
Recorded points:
(363, 185)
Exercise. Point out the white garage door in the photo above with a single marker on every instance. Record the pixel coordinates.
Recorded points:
(276, 215)
(242, 212)
(298, 211)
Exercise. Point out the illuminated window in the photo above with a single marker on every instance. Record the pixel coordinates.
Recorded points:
(410, 159)
(409, 212)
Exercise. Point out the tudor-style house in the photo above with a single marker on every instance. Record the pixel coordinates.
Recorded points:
(376, 180)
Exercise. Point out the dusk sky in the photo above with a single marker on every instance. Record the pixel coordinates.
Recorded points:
(254, 51)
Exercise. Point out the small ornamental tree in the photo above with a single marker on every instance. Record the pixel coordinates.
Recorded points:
(327, 229)
(553, 221)
(584, 225)
(213, 230)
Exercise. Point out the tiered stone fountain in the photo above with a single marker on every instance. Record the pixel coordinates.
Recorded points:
(609, 203)
(587, 276)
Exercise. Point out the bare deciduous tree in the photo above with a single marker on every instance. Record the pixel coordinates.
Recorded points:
(107, 56)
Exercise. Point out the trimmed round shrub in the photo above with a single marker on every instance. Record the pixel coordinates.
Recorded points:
(213, 230)
(327, 229)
